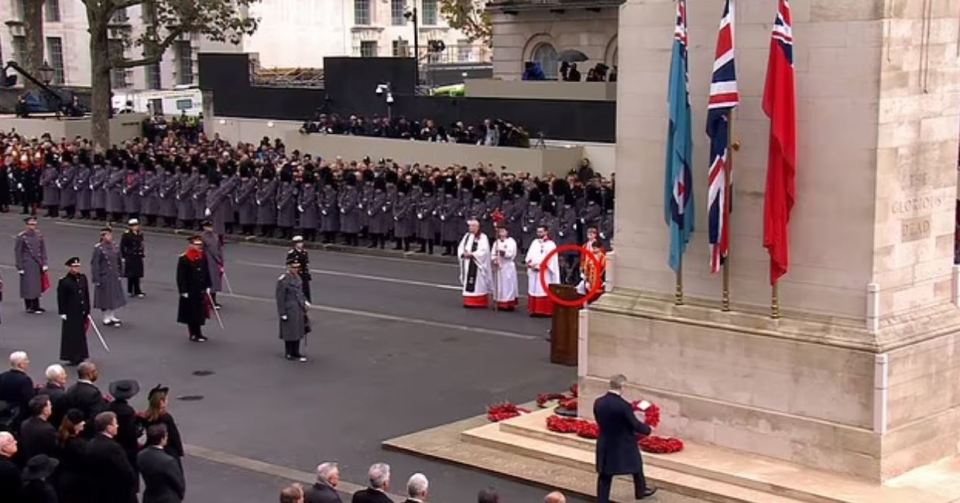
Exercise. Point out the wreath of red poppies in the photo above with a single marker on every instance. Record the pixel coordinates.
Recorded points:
(585, 428)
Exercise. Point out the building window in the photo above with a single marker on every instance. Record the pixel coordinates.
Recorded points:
(55, 55)
(20, 10)
(118, 76)
(401, 48)
(464, 50)
(120, 16)
(397, 9)
(184, 62)
(51, 9)
(428, 12)
(20, 50)
(153, 76)
(368, 49)
(361, 12)
(546, 55)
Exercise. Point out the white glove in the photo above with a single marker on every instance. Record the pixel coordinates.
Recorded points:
(206, 212)
(63, 317)
(21, 271)
(45, 268)
(208, 290)
(185, 295)
(96, 284)
(300, 208)
(284, 317)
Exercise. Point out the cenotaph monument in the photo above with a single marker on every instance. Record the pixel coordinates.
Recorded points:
(861, 374)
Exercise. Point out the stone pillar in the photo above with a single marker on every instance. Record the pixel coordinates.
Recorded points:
(862, 375)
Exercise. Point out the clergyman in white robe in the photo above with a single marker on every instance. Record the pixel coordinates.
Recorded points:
(504, 271)
(538, 302)
(474, 254)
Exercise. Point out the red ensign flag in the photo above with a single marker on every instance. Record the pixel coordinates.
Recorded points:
(779, 103)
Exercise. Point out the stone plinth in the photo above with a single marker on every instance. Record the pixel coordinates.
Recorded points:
(863, 374)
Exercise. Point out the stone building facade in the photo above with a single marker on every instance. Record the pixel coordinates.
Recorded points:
(67, 46)
(539, 30)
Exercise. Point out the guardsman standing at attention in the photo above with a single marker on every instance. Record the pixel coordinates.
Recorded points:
(213, 252)
(30, 255)
(133, 253)
(193, 285)
(105, 269)
(292, 310)
(73, 304)
(299, 253)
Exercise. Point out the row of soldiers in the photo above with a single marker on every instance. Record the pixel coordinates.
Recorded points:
(375, 202)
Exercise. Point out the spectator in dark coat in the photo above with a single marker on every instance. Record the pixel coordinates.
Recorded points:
(16, 390)
(111, 478)
(37, 435)
(36, 476)
(325, 489)
(617, 450)
(73, 452)
(10, 481)
(127, 434)
(157, 413)
(85, 396)
(56, 389)
(161, 472)
(379, 475)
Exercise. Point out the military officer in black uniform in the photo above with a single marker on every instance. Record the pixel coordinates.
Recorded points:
(73, 303)
(299, 254)
(193, 284)
(132, 251)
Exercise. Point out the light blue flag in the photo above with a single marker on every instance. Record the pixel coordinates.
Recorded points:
(678, 180)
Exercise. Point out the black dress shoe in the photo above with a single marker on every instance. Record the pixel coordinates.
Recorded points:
(647, 493)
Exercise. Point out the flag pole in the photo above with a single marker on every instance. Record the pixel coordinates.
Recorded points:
(775, 301)
(678, 296)
(728, 190)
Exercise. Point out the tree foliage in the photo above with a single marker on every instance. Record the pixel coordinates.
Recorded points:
(470, 17)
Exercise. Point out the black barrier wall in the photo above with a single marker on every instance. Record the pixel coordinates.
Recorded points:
(350, 88)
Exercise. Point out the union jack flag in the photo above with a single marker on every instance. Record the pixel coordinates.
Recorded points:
(723, 99)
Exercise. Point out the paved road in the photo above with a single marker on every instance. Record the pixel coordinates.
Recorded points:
(392, 353)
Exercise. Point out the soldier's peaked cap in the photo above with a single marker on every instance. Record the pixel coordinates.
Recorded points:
(72, 261)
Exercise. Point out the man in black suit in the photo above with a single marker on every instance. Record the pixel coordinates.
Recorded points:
(56, 389)
(16, 390)
(37, 435)
(161, 472)
(325, 489)
(617, 450)
(379, 475)
(10, 481)
(110, 477)
(85, 396)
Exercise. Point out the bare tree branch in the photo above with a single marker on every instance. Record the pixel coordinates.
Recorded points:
(154, 53)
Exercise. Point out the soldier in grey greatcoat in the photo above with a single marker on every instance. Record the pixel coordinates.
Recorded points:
(186, 181)
(106, 268)
(167, 194)
(292, 311)
(68, 193)
(30, 259)
(246, 200)
(213, 254)
(114, 186)
(267, 201)
(366, 198)
(98, 187)
(514, 212)
(532, 215)
(307, 206)
(426, 217)
(348, 200)
(218, 203)
(286, 204)
(230, 183)
(131, 189)
(81, 186)
(403, 217)
(51, 192)
(377, 214)
(150, 193)
(329, 212)
(450, 216)
(199, 194)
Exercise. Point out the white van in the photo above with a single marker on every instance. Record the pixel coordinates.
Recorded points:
(169, 102)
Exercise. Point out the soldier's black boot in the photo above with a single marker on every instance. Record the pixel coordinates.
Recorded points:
(430, 249)
(423, 246)
(406, 245)
(398, 245)
(374, 238)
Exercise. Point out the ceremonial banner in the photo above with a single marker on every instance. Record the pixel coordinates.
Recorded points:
(678, 184)
(779, 103)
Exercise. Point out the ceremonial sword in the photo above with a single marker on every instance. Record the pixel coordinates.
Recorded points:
(213, 305)
(99, 335)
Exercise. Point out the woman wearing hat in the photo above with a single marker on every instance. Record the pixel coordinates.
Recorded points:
(72, 454)
(73, 304)
(122, 391)
(36, 477)
(157, 413)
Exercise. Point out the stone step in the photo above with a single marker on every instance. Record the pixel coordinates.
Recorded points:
(675, 482)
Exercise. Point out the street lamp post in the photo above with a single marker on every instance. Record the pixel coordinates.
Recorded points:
(46, 73)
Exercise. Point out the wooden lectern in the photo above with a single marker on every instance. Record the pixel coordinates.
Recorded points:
(564, 327)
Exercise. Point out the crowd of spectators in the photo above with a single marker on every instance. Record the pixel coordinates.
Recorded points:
(491, 132)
